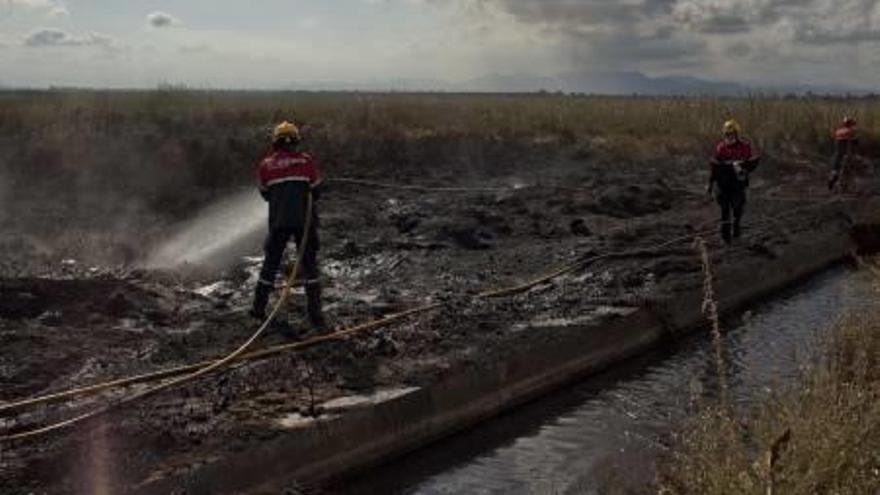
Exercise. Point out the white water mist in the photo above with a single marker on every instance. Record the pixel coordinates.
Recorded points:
(217, 236)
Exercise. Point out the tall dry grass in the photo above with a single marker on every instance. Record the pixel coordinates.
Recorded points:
(661, 124)
(210, 139)
(821, 436)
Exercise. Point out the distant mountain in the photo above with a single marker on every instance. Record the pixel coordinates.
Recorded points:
(598, 82)
(605, 82)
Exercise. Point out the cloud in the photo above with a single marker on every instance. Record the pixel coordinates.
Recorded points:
(58, 11)
(49, 37)
(612, 33)
(26, 4)
(726, 16)
(162, 19)
(846, 21)
(668, 35)
(51, 8)
(196, 48)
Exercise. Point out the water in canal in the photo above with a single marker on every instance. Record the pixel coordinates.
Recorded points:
(615, 424)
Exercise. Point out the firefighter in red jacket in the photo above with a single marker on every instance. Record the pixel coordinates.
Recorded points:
(731, 165)
(286, 177)
(845, 141)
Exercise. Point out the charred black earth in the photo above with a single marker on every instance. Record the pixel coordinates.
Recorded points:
(67, 321)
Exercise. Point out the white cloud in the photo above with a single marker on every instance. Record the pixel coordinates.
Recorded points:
(26, 4)
(48, 37)
(58, 11)
(49, 7)
(160, 19)
(195, 48)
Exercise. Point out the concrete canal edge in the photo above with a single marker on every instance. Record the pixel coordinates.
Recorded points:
(366, 436)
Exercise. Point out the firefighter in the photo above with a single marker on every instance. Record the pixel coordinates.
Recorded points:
(733, 161)
(845, 141)
(286, 176)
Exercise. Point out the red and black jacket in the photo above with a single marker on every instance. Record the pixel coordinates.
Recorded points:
(723, 171)
(846, 133)
(846, 138)
(285, 177)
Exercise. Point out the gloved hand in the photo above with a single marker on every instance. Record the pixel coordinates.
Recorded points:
(739, 168)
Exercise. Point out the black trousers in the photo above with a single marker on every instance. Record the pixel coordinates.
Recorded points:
(276, 243)
(837, 161)
(842, 149)
(732, 202)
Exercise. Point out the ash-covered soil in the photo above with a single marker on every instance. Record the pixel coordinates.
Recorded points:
(68, 322)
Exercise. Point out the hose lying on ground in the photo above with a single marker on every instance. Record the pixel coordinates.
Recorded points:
(412, 187)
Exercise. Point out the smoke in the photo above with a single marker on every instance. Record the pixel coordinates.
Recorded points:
(218, 235)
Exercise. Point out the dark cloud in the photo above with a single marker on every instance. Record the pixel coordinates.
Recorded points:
(849, 21)
(161, 19)
(740, 49)
(586, 11)
(619, 49)
(820, 37)
(726, 24)
(613, 33)
(812, 20)
(680, 33)
(55, 37)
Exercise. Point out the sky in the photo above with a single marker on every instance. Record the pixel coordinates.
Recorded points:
(277, 44)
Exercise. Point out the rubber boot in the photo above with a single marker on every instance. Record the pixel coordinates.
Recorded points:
(314, 309)
(725, 232)
(261, 299)
(832, 180)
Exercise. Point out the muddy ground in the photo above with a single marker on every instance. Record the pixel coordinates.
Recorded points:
(68, 322)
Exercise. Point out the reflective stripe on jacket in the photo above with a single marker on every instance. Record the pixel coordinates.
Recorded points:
(284, 179)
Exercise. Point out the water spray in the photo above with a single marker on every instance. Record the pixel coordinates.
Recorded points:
(217, 236)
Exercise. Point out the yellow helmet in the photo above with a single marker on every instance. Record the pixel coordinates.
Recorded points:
(732, 127)
(286, 130)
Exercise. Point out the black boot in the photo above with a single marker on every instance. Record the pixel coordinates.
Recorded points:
(258, 312)
(725, 232)
(313, 307)
(261, 299)
(737, 231)
(832, 180)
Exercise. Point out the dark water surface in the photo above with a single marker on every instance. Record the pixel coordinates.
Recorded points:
(611, 427)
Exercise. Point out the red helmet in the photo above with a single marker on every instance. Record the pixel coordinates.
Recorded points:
(849, 121)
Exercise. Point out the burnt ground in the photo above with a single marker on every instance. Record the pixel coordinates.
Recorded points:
(65, 323)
